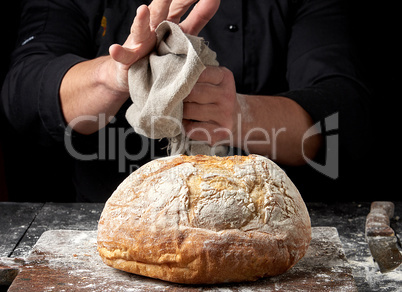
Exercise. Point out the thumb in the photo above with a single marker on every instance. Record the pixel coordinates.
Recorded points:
(123, 55)
(140, 41)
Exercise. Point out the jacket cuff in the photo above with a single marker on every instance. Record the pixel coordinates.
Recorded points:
(49, 105)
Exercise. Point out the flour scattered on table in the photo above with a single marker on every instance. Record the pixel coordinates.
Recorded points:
(71, 257)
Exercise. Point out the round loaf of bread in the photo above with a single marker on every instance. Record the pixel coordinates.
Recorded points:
(205, 219)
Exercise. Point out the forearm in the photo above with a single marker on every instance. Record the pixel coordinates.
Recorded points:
(88, 90)
(275, 126)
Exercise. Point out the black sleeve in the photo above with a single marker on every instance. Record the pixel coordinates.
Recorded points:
(322, 71)
(53, 37)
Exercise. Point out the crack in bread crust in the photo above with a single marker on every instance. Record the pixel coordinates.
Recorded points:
(203, 219)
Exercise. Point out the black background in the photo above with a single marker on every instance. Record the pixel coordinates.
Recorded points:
(33, 173)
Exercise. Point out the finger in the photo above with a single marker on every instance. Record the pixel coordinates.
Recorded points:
(140, 30)
(199, 131)
(159, 10)
(200, 113)
(207, 87)
(178, 8)
(212, 74)
(203, 93)
(123, 55)
(199, 16)
(138, 43)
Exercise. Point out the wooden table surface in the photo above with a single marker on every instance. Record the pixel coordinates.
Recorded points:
(21, 225)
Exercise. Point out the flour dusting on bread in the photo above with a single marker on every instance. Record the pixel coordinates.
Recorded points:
(196, 219)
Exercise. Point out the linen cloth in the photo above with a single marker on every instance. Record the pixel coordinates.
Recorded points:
(160, 82)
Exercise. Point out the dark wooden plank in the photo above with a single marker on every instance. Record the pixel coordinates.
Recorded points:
(74, 216)
(15, 219)
(9, 270)
(350, 218)
(66, 260)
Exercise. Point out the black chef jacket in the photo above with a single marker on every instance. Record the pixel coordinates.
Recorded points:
(295, 48)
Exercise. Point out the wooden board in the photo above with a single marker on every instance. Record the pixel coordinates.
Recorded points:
(52, 216)
(67, 260)
(15, 218)
(350, 219)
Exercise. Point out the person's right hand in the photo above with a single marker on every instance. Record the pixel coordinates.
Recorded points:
(100, 86)
(142, 38)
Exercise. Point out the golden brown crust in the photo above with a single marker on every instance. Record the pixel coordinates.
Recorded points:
(202, 219)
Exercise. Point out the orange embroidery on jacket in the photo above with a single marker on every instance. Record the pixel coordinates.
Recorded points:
(104, 25)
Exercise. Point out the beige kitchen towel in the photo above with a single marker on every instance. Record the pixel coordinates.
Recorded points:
(158, 84)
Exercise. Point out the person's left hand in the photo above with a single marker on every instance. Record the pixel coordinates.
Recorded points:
(211, 111)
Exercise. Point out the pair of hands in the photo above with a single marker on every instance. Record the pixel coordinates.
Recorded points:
(212, 106)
